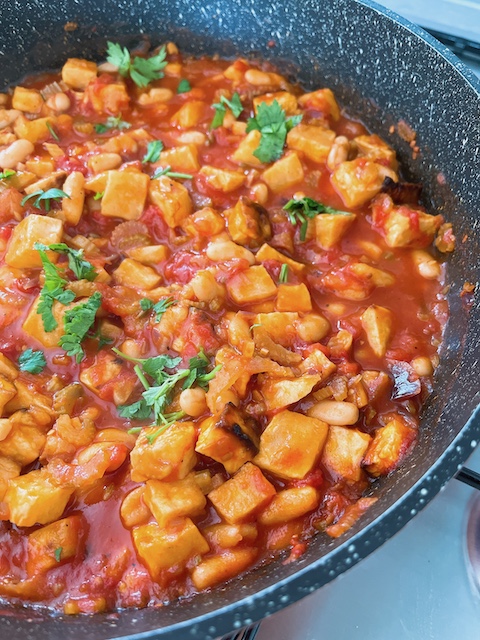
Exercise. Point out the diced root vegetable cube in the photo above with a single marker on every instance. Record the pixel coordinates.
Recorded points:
(358, 181)
(389, 446)
(150, 255)
(170, 500)
(321, 100)
(228, 439)
(34, 499)
(284, 173)
(289, 504)
(293, 297)
(330, 228)
(189, 115)
(251, 285)
(183, 159)
(125, 194)
(171, 455)
(9, 469)
(244, 152)
(29, 100)
(266, 252)
(291, 445)
(222, 179)
(248, 223)
(172, 198)
(161, 549)
(131, 273)
(374, 148)
(377, 322)
(7, 392)
(344, 451)
(52, 545)
(33, 324)
(33, 130)
(286, 100)
(241, 497)
(78, 73)
(315, 142)
(34, 228)
(282, 392)
(222, 567)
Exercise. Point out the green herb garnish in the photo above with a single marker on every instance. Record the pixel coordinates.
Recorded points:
(7, 173)
(53, 289)
(157, 397)
(82, 269)
(141, 70)
(58, 553)
(283, 276)
(184, 86)
(53, 133)
(45, 197)
(274, 126)
(32, 361)
(77, 323)
(159, 307)
(153, 151)
(99, 195)
(305, 209)
(167, 171)
(235, 106)
(112, 122)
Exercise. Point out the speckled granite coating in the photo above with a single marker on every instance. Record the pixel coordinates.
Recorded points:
(383, 71)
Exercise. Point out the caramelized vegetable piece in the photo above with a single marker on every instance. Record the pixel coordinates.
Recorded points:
(288, 505)
(388, 447)
(228, 438)
(171, 198)
(238, 499)
(291, 445)
(344, 452)
(358, 181)
(54, 544)
(377, 323)
(170, 500)
(248, 223)
(219, 568)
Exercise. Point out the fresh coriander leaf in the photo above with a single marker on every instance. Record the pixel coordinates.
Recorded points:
(53, 133)
(58, 553)
(283, 277)
(159, 307)
(235, 106)
(82, 269)
(155, 367)
(274, 126)
(153, 151)
(45, 197)
(169, 419)
(112, 122)
(77, 322)
(167, 171)
(134, 430)
(99, 195)
(184, 86)
(141, 70)
(53, 289)
(145, 70)
(32, 361)
(118, 56)
(304, 209)
(7, 173)
(136, 411)
(146, 304)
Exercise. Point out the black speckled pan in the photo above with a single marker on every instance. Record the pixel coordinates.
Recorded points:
(382, 69)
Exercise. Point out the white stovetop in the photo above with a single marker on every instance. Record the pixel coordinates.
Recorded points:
(416, 586)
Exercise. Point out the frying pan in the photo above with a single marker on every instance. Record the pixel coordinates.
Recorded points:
(382, 69)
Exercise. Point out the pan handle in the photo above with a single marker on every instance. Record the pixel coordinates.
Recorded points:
(248, 633)
(472, 478)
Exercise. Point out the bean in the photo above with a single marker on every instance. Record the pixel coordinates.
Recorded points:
(131, 348)
(206, 288)
(59, 102)
(72, 207)
(336, 413)
(104, 162)
(338, 153)
(258, 78)
(312, 327)
(107, 67)
(192, 137)
(17, 152)
(8, 117)
(259, 193)
(193, 402)
(422, 366)
(426, 265)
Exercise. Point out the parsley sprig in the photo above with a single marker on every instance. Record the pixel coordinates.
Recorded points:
(45, 197)
(305, 209)
(7, 173)
(52, 131)
(154, 149)
(141, 70)
(167, 171)
(159, 307)
(82, 269)
(77, 323)
(184, 86)
(235, 105)
(32, 361)
(283, 275)
(53, 289)
(273, 124)
(112, 122)
(157, 396)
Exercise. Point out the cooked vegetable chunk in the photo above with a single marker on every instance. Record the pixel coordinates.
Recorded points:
(221, 567)
(170, 500)
(358, 181)
(54, 544)
(377, 323)
(284, 173)
(34, 228)
(291, 444)
(252, 285)
(289, 504)
(388, 447)
(238, 499)
(171, 198)
(344, 451)
(315, 142)
(125, 194)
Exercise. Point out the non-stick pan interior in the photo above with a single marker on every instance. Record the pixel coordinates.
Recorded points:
(382, 71)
